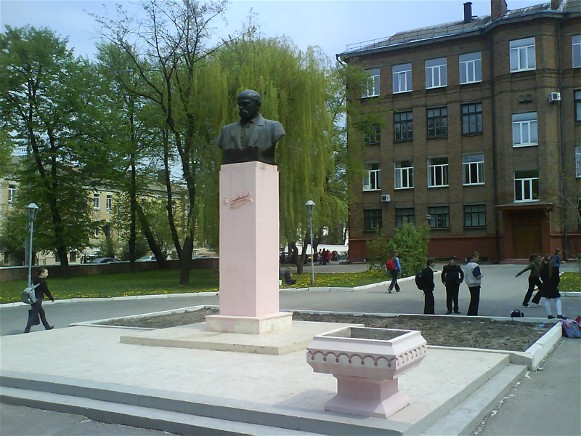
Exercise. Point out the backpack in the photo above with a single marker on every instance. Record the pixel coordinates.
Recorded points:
(390, 265)
(420, 280)
(571, 329)
(29, 295)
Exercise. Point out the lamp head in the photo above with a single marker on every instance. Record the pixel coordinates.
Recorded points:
(310, 206)
(31, 211)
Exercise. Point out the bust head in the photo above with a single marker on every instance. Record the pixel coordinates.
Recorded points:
(248, 104)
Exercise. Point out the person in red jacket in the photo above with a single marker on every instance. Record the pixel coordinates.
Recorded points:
(36, 308)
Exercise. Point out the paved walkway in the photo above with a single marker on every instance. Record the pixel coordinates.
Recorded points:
(286, 387)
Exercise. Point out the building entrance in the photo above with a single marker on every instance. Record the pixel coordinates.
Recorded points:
(526, 240)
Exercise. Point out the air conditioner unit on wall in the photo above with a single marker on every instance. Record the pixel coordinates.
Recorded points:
(554, 96)
(385, 198)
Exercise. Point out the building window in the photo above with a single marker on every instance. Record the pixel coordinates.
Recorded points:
(436, 73)
(522, 55)
(371, 220)
(470, 68)
(576, 42)
(372, 84)
(437, 172)
(471, 118)
(372, 134)
(577, 96)
(11, 193)
(402, 78)
(475, 216)
(96, 201)
(437, 119)
(109, 202)
(372, 178)
(439, 217)
(578, 161)
(403, 126)
(526, 185)
(404, 174)
(404, 215)
(524, 129)
(473, 169)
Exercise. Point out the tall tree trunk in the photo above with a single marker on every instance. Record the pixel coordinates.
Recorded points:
(149, 236)
(133, 216)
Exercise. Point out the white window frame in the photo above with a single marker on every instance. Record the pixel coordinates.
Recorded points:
(525, 131)
(11, 193)
(470, 65)
(96, 201)
(473, 168)
(578, 161)
(402, 78)
(522, 55)
(372, 177)
(526, 189)
(109, 202)
(371, 83)
(404, 175)
(437, 173)
(576, 51)
(436, 73)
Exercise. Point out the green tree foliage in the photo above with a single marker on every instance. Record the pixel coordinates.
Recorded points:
(410, 241)
(296, 89)
(46, 99)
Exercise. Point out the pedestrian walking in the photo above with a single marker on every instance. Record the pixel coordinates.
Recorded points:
(550, 276)
(428, 286)
(452, 277)
(36, 308)
(473, 277)
(534, 268)
(556, 258)
(394, 268)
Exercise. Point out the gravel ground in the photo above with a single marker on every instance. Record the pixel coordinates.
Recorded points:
(450, 331)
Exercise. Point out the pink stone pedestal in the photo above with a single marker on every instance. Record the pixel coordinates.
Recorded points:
(249, 251)
(367, 363)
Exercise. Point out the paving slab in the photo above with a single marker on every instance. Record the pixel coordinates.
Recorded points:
(282, 384)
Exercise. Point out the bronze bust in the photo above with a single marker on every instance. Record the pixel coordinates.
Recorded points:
(253, 138)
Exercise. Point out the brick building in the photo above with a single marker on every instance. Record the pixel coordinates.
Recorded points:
(477, 131)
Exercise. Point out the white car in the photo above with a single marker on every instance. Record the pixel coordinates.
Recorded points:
(146, 259)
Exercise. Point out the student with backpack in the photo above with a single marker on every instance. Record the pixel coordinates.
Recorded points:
(428, 286)
(452, 276)
(473, 277)
(393, 267)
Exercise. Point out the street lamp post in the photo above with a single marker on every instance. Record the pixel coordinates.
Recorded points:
(310, 208)
(31, 211)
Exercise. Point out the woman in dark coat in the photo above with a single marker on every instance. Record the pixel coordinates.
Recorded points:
(36, 308)
(550, 277)
(428, 286)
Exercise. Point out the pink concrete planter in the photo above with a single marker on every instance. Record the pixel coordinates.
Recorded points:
(366, 363)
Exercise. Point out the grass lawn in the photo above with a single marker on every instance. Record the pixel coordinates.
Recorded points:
(165, 282)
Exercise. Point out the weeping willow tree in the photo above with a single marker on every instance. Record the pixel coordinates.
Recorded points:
(295, 90)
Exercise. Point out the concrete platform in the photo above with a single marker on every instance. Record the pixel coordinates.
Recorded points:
(92, 371)
(196, 336)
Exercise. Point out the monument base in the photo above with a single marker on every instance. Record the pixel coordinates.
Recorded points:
(249, 324)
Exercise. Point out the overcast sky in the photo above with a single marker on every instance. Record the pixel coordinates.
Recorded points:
(329, 24)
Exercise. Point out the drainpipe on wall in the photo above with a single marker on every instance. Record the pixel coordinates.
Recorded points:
(494, 157)
(564, 208)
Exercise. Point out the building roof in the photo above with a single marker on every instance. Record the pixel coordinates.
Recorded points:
(455, 29)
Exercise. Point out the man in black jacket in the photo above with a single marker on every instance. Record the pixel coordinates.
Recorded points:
(428, 286)
(452, 276)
